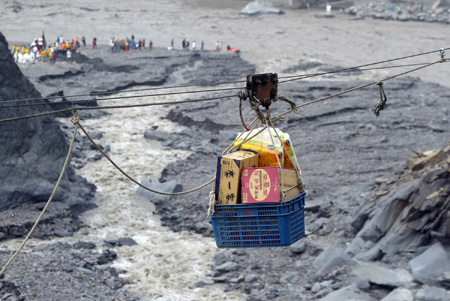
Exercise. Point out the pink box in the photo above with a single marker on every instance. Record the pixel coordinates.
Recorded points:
(262, 184)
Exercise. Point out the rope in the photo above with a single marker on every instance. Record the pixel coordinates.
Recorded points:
(132, 179)
(280, 173)
(300, 184)
(116, 107)
(242, 97)
(212, 194)
(75, 121)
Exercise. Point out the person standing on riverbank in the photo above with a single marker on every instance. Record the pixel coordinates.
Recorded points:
(69, 55)
(94, 43)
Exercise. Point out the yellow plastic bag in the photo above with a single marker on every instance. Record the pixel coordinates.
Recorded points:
(268, 153)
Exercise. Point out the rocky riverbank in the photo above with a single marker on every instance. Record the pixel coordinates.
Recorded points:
(419, 11)
(349, 159)
(353, 163)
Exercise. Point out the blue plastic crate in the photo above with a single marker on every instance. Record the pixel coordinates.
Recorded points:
(259, 225)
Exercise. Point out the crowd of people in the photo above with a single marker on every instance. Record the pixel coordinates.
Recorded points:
(40, 51)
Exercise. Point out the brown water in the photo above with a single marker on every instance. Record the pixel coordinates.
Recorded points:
(272, 42)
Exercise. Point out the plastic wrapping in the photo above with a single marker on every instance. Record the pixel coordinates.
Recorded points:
(268, 153)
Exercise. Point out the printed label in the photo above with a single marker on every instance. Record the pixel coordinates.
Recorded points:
(259, 184)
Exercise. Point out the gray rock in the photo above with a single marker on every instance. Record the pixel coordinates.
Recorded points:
(57, 206)
(314, 248)
(83, 270)
(432, 293)
(445, 279)
(347, 293)
(298, 247)
(329, 259)
(316, 287)
(430, 265)
(220, 279)
(227, 267)
(127, 241)
(399, 294)
(258, 7)
(200, 284)
(110, 282)
(166, 187)
(326, 284)
(313, 206)
(363, 284)
(359, 220)
(371, 255)
(382, 276)
(236, 280)
(63, 233)
(250, 278)
(317, 224)
(184, 145)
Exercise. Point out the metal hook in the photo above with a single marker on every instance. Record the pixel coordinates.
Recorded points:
(383, 99)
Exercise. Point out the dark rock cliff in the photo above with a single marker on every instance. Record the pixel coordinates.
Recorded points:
(32, 151)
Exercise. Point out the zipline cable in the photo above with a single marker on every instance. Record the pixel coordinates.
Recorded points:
(122, 97)
(83, 101)
(113, 98)
(122, 91)
(292, 78)
(360, 87)
(116, 107)
(442, 60)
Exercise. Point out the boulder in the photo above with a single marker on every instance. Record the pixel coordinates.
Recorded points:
(425, 159)
(399, 294)
(227, 267)
(298, 247)
(350, 292)
(329, 259)
(432, 293)
(382, 276)
(260, 7)
(166, 187)
(430, 265)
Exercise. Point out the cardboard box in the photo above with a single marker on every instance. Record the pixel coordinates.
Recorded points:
(228, 176)
(262, 184)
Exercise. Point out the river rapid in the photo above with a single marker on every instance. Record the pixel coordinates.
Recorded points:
(165, 265)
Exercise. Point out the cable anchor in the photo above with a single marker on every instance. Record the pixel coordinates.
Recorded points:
(383, 99)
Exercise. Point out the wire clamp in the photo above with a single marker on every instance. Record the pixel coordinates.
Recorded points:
(383, 99)
(442, 54)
